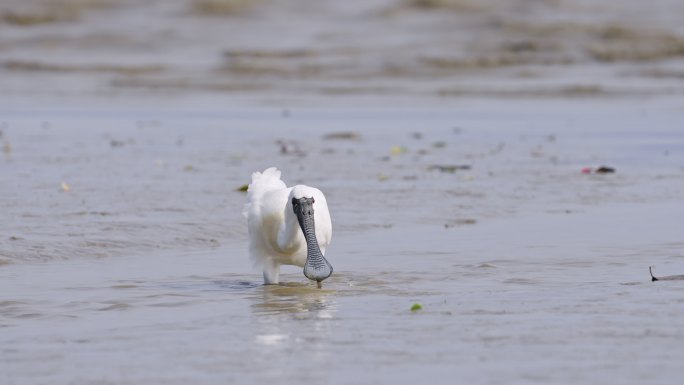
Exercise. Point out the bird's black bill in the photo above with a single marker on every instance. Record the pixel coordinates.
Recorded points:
(316, 268)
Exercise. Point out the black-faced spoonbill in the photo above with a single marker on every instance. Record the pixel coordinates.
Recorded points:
(287, 226)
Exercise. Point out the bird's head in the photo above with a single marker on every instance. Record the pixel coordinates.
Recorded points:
(303, 200)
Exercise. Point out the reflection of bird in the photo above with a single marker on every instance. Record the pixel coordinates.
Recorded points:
(287, 226)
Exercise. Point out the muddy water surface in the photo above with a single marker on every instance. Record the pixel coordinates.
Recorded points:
(527, 270)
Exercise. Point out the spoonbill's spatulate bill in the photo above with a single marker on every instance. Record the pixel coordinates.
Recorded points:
(287, 226)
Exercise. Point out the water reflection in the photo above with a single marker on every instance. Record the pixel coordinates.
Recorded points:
(293, 327)
(295, 298)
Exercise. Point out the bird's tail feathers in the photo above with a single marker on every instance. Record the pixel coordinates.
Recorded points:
(262, 182)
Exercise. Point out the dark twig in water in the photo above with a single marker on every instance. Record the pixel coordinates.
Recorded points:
(666, 278)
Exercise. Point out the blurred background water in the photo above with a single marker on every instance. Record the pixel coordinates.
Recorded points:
(282, 52)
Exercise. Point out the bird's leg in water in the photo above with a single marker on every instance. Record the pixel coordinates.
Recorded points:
(271, 272)
(319, 284)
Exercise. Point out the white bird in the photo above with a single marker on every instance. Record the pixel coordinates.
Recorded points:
(287, 226)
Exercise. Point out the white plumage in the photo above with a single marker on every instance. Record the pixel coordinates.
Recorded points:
(276, 235)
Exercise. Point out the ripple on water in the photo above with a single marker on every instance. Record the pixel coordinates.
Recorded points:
(18, 310)
(11, 303)
(116, 306)
(28, 315)
(292, 297)
(522, 281)
(124, 286)
(235, 285)
(74, 304)
(486, 266)
(163, 295)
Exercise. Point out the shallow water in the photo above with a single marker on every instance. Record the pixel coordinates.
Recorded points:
(532, 309)
(527, 270)
(453, 181)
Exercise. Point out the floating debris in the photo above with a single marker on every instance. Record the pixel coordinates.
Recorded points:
(605, 170)
(666, 278)
(65, 187)
(598, 170)
(451, 168)
(416, 307)
(344, 135)
(290, 148)
(398, 150)
(461, 222)
(382, 177)
(242, 188)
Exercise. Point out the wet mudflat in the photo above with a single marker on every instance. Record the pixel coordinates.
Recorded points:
(124, 253)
